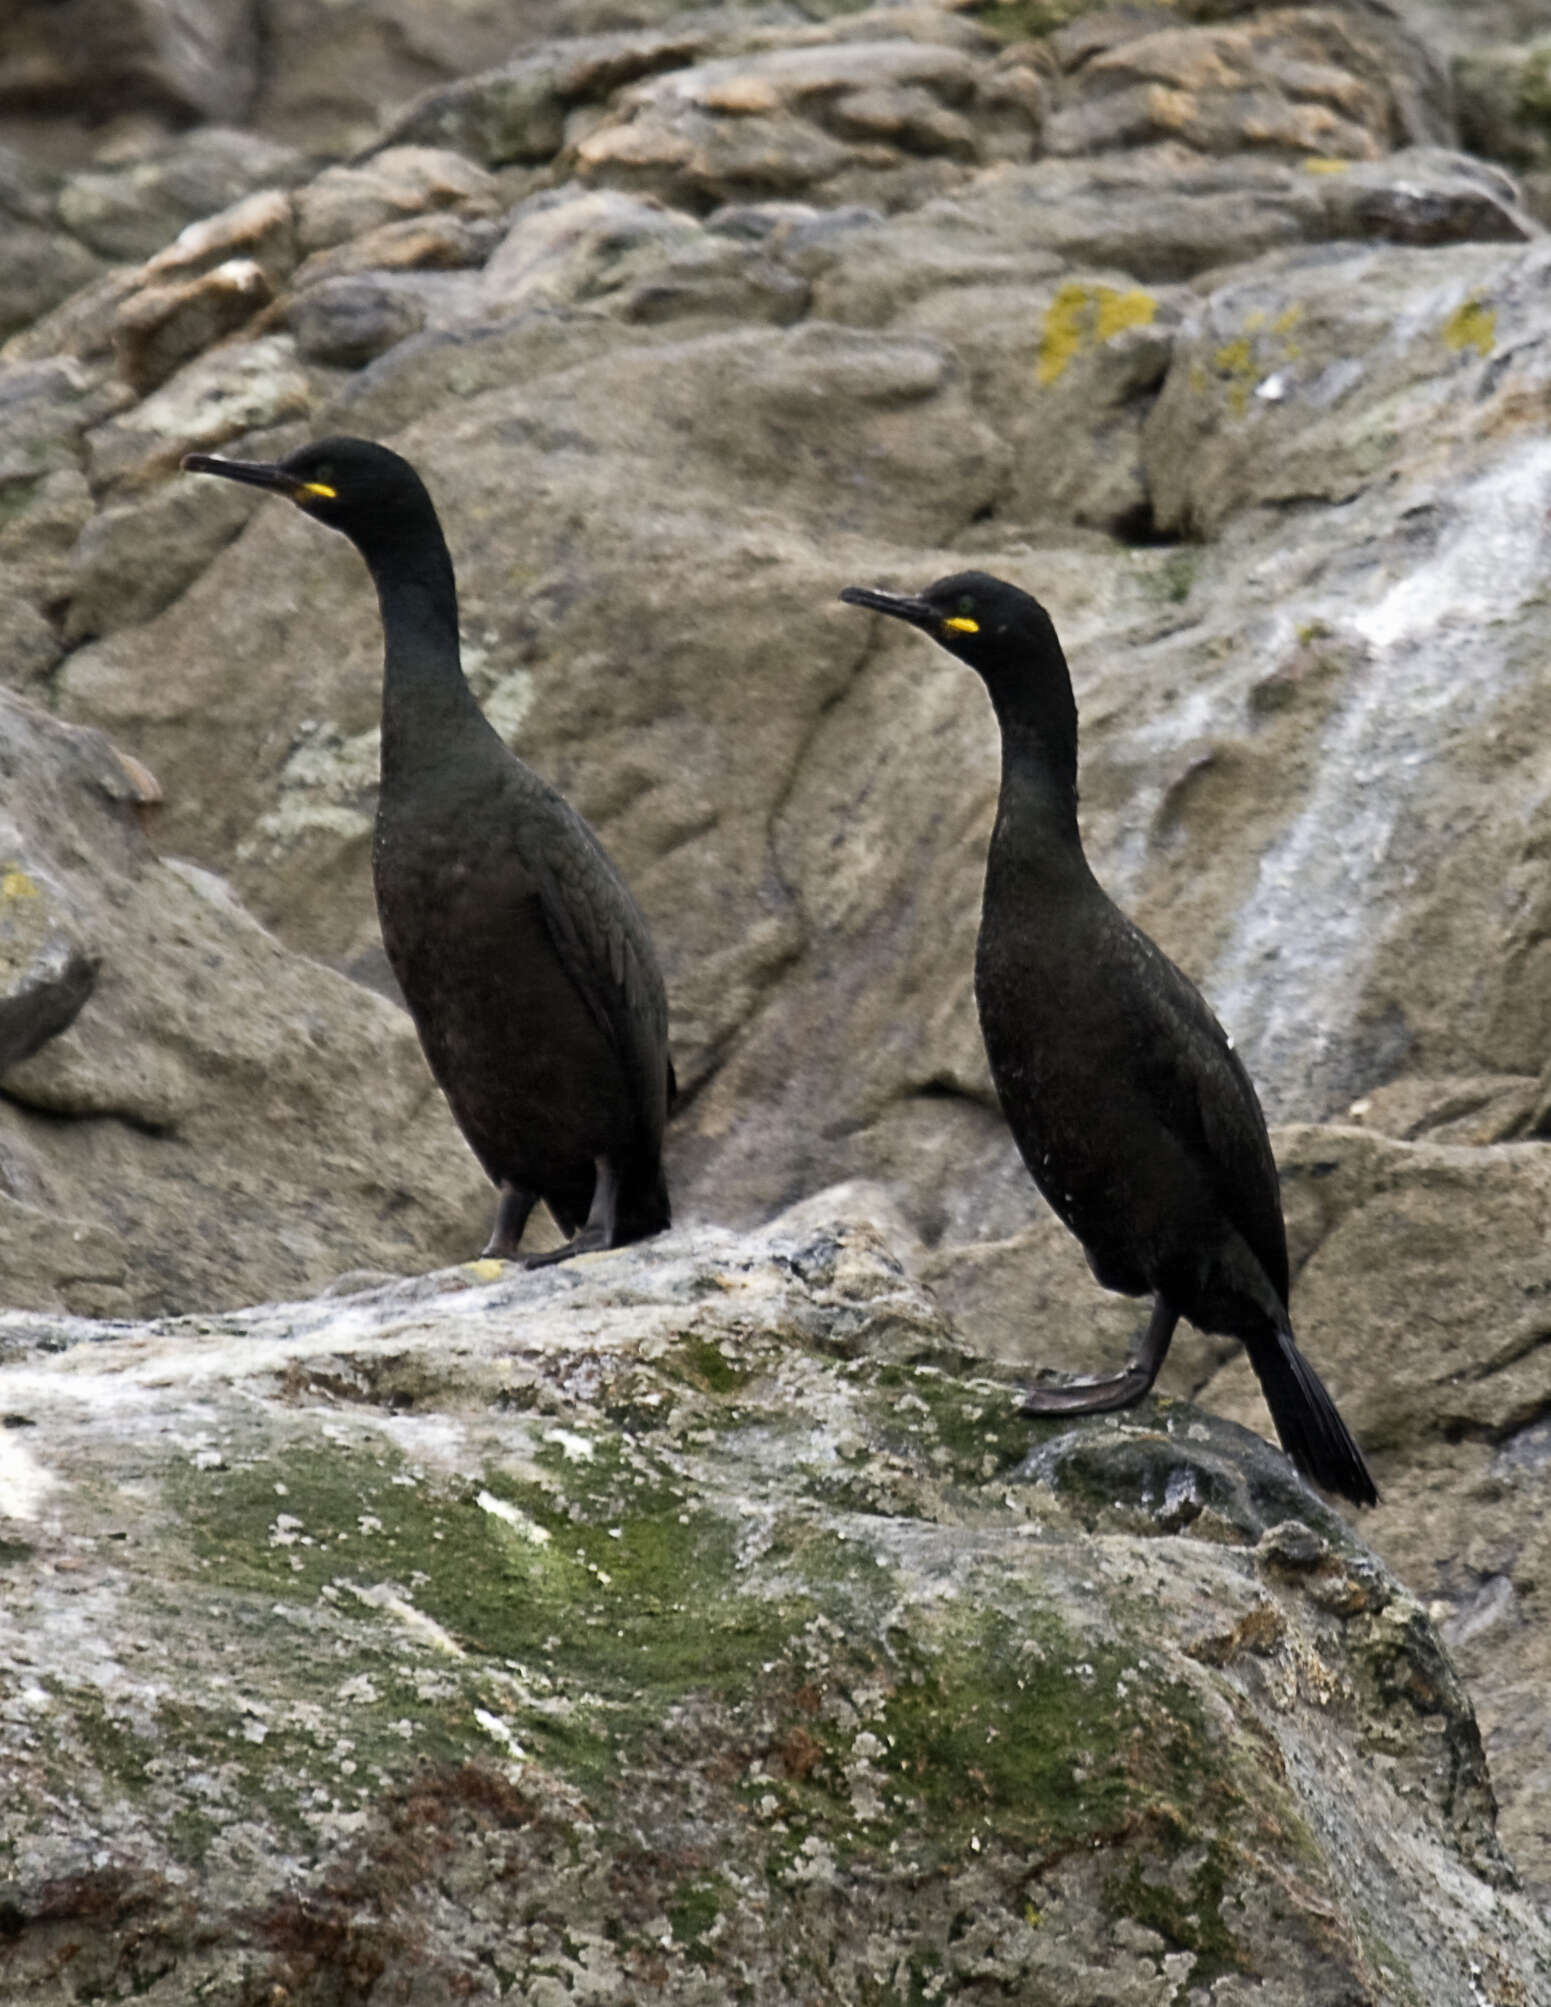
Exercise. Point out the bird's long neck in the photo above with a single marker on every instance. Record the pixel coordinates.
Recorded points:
(426, 700)
(1036, 814)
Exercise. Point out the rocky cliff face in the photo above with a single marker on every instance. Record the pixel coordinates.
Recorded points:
(1223, 328)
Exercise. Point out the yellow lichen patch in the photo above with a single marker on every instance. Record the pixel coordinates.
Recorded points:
(1119, 311)
(1322, 163)
(1283, 326)
(486, 1270)
(1082, 316)
(1471, 325)
(1263, 346)
(1236, 361)
(1063, 333)
(15, 884)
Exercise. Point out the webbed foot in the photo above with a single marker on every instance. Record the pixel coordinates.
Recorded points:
(1103, 1393)
(589, 1241)
(597, 1232)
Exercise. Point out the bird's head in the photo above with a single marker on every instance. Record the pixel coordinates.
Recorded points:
(997, 629)
(367, 492)
(1009, 640)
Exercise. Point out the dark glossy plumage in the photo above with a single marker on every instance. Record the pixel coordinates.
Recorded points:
(1129, 1105)
(525, 962)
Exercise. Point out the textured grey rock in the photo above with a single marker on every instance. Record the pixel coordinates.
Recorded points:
(45, 974)
(212, 1115)
(695, 1625)
(1164, 212)
(347, 321)
(1330, 82)
(400, 181)
(129, 210)
(337, 74)
(43, 265)
(162, 327)
(852, 120)
(517, 113)
(195, 59)
(131, 559)
(691, 321)
(217, 397)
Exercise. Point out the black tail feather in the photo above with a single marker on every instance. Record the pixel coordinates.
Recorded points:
(643, 1208)
(1312, 1431)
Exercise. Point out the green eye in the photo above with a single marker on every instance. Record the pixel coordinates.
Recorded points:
(965, 608)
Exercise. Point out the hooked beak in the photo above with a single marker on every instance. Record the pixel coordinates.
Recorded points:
(258, 474)
(899, 604)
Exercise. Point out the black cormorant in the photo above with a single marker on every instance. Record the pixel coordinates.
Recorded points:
(1130, 1107)
(525, 962)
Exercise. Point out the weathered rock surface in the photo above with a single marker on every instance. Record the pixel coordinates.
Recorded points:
(696, 1625)
(189, 1112)
(337, 73)
(97, 57)
(992, 370)
(1328, 82)
(1422, 1272)
(43, 263)
(1200, 321)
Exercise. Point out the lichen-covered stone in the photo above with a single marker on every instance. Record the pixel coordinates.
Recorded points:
(129, 210)
(1262, 424)
(163, 327)
(1325, 81)
(211, 400)
(696, 1625)
(399, 182)
(1313, 388)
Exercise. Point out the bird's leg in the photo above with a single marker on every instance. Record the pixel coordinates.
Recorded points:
(597, 1231)
(511, 1216)
(1108, 1391)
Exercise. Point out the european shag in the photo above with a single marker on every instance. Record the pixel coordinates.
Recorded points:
(525, 962)
(1127, 1101)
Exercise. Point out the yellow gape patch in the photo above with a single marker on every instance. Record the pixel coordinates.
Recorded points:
(317, 488)
(961, 625)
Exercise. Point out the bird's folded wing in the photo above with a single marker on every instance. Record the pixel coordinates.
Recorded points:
(603, 945)
(1203, 1096)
